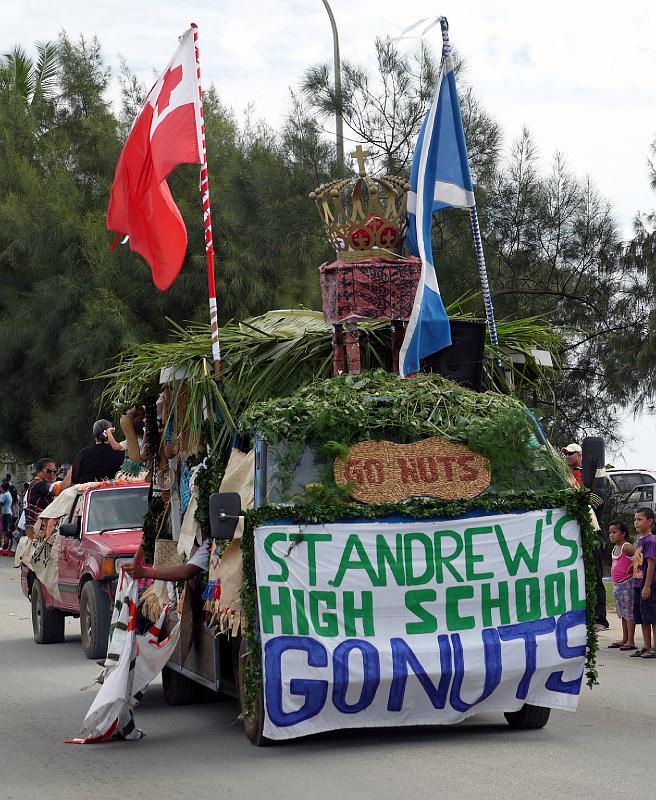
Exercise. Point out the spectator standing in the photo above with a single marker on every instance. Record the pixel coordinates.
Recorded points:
(622, 574)
(39, 492)
(644, 593)
(14, 496)
(5, 509)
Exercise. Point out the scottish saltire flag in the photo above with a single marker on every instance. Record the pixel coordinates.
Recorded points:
(440, 178)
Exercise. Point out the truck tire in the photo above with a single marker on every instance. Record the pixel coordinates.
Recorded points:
(47, 623)
(528, 717)
(253, 724)
(94, 620)
(179, 690)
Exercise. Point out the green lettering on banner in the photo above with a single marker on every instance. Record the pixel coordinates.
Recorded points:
(576, 593)
(527, 599)
(425, 541)
(326, 624)
(282, 609)
(454, 622)
(571, 544)
(311, 540)
(302, 627)
(555, 601)
(445, 561)
(501, 602)
(270, 540)
(472, 558)
(413, 602)
(513, 563)
(365, 613)
(385, 558)
(353, 544)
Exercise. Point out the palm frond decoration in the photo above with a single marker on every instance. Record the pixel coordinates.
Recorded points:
(274, 354)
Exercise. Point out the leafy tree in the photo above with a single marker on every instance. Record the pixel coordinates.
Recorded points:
(69, 304)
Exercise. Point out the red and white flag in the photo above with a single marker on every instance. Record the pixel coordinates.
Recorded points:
(167, 132)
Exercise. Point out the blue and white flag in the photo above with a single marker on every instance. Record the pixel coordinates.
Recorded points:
(440, 178)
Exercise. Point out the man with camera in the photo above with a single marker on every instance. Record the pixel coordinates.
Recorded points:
(98, 461)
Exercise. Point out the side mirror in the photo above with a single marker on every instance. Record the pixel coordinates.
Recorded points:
(594, 462)
(70, 530)
(225, 510)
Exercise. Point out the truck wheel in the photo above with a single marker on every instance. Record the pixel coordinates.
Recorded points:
(47, 623)
(253, 724)
(528, 717)
(179, 690)
(94, 620)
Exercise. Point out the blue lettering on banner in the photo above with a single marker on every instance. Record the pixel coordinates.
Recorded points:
(314, 691)
(555, 681)
(492, 651)
(402, 657)
(528, 631)
(453, 669)
(371, 670)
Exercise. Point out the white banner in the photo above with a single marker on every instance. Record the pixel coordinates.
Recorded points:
(371, 624)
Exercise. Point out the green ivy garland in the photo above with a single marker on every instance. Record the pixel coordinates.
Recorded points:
(333, 414)
(574, 501)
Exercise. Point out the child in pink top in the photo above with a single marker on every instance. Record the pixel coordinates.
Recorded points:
(621, 573)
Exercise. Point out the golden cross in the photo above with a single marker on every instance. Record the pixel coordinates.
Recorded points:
(360, 154)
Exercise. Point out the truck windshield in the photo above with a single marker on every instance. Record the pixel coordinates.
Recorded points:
(117, 509)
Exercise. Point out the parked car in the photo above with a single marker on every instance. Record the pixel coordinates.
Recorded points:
(624, 481)
(640, 497)
(102, 530)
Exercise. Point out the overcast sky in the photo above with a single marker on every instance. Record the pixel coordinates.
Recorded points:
(579, 74)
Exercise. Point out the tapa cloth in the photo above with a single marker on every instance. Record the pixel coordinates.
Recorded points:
(132, 662)
(41, 553)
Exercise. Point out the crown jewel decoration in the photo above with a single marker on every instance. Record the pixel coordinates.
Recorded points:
(363, 217)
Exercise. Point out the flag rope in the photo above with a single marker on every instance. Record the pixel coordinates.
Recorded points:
(476, 230)
(207, 221)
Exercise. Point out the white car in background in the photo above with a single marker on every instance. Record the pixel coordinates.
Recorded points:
(631, 489)
(626, 480)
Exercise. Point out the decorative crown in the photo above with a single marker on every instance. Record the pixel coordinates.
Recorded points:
(364, 217)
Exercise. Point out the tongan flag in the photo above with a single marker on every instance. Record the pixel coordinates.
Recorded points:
(440, 178)
(167, 132)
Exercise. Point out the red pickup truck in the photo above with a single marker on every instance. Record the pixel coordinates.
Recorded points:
(102, 530)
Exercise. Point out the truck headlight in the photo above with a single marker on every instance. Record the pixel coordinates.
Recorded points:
(107, 569)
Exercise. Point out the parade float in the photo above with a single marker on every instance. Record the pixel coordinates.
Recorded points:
(385, 550)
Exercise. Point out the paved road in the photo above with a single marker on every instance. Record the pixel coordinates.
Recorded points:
(200, 751)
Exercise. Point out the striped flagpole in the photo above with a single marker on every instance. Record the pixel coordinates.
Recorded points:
(207, 220)
(476, 231)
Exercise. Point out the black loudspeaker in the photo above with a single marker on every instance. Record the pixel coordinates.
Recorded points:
(594, 458)
(462, 361)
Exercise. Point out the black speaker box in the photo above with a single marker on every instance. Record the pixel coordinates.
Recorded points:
(462, 361)
(594, 458)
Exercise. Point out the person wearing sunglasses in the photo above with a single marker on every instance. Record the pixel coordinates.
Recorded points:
(40, 491)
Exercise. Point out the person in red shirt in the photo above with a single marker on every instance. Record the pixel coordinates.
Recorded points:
(573, 455)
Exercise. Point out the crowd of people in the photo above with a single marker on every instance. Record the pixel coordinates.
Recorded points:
(12, 502)
(20, 509)
(633, 573)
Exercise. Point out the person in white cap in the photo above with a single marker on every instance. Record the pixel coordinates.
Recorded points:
(574, 457)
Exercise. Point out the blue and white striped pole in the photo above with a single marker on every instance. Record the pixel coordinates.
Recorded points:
(476, 231)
